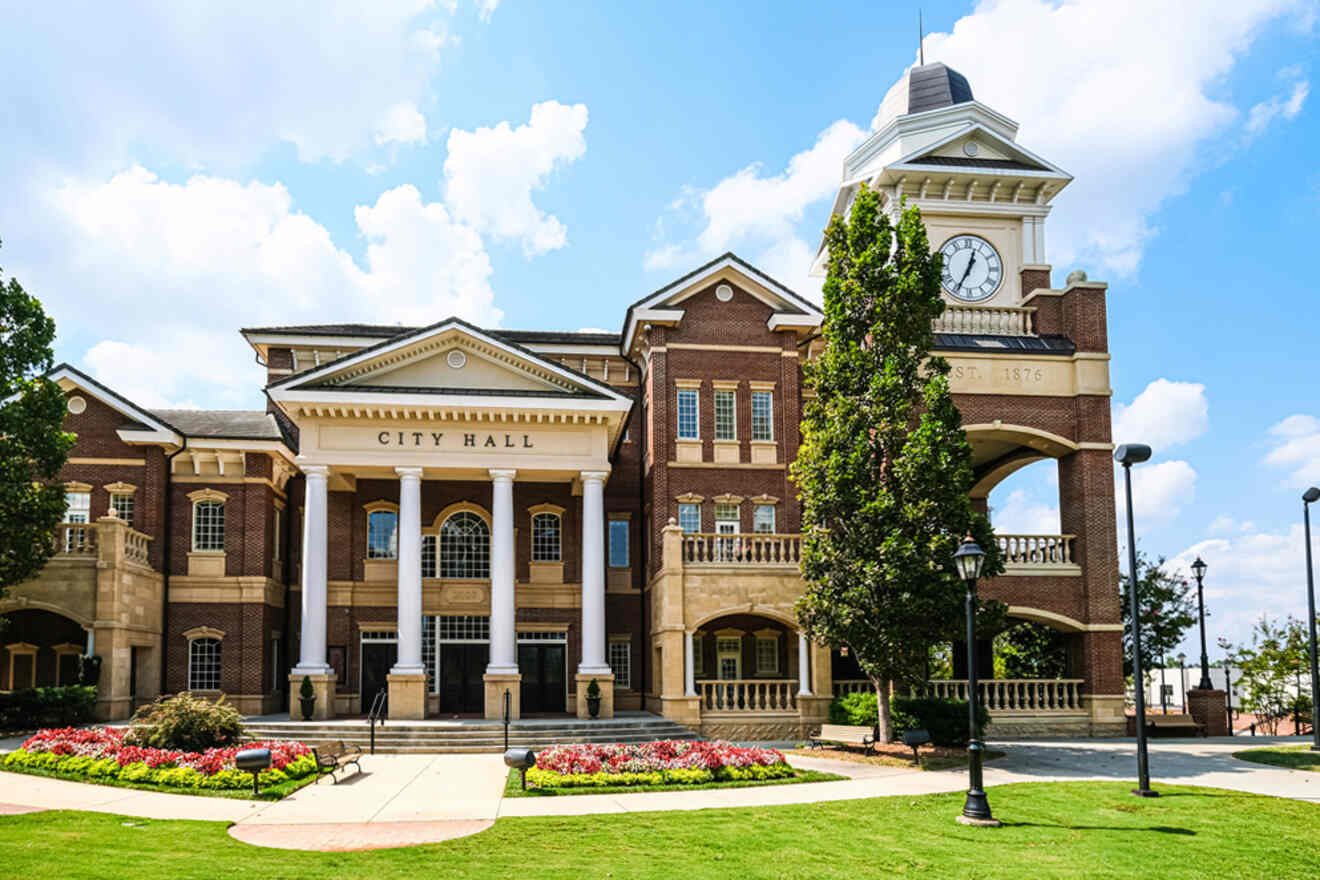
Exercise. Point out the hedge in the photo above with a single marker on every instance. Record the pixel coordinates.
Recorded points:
(31, 708)
(945, 720)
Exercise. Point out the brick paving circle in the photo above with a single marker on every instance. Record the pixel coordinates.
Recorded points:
(344, 837)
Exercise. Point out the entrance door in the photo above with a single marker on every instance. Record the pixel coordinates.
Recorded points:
(462, 690)
(542, 668)
(377, 658)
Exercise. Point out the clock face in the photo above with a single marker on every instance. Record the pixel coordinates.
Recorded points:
(973, 270)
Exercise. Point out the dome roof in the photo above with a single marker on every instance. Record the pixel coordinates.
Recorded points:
(924, 87)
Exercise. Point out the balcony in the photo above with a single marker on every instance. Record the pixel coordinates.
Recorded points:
(1038, 554)
(745, 550)
(986, 320)
(759, 696)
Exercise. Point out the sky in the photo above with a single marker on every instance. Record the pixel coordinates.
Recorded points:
(175, 171)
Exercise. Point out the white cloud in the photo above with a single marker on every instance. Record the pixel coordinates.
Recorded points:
(1024, 514)
(1159, 491)
(1111, 93)
(491, 172)
(1222, 524)
(1165, 414)
(402, 124)
(1285, 105)
(1296, 442)
(486, 8)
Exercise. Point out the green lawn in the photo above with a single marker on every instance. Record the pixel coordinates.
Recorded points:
(1292, 757)
(1065, 830)
(513, 787)
(268, 793)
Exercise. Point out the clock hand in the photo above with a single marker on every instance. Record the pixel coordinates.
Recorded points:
(970, 263)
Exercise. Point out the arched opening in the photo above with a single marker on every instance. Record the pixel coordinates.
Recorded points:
(39, 648)
(745, 662)
(1026, 501)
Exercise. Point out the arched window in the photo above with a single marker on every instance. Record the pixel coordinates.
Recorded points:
(382, 535)
(209, 525)
(545, 537)
(464, 547)
(204, 664)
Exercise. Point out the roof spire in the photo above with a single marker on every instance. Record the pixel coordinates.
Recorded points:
(921, 39)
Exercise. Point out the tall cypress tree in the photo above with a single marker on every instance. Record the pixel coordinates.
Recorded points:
(884, 469)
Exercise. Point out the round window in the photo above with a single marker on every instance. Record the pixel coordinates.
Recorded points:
(724, 293)
(456, 359)
(77, 405)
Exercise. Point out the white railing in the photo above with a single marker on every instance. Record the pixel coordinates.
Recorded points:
(1026, 551)
(748, 695)
(853, 686)
(136, 547)
(992, 320)
(1013, 695)
(705, 548)
(75, 539)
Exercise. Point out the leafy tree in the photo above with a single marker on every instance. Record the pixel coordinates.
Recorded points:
(1167, 610)
(1271, 667)
(884, 469)
(1031, 650)
(33, 446)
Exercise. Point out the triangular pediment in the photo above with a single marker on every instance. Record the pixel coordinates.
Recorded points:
(978, 149)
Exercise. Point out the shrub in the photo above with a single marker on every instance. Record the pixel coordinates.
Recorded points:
(945, 720)
(186, 723)
(31, 708)
(858, 709)
(678, 762)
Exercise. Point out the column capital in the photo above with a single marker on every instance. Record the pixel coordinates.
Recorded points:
(312, 470)
(499, 474)
(595, 476)
(405, 472)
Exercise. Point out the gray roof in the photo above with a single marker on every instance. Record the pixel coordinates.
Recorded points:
(232, 424)
(935, 85)
(969, 162)
(389, 331)
(1050, 344)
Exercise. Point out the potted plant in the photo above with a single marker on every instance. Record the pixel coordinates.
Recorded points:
(593, 699)
(307, 698)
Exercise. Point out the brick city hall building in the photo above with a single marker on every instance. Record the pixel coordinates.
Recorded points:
(451, 513)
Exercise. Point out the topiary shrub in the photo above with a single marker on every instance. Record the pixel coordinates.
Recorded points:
(186, 723)
(945, 720)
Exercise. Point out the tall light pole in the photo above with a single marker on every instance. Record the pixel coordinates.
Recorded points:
(1310, 495)
(1182, 680)
(1127, 455)
(1198, 569)
(976, 809)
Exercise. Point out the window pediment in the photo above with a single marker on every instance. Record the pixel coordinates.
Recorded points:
(203, 632)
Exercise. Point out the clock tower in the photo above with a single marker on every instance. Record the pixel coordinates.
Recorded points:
(984, 196)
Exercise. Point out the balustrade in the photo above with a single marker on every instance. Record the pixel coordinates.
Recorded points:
(989, 320)
(75, 539)
(1012, 695)
(748, 695)
(136, 546)
(706, 548)
(1036, 550)
(853, 686)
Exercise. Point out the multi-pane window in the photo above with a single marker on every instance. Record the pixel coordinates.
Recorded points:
(428, 556)
(545, 537)
(689, 517)
(204, 665)
(763, 519)
(726, 424)
(620, 659)
(382, 535)
(122, 505)
(763, 428)
(687, 414)
(465, 547)
(767, 656)
(698, 656)
(726, 519)
(729, 654)
(209, 525)
(618, 543)
(80, 507)
(463, 628)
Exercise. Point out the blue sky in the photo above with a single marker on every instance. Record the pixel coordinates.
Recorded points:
(177, 171)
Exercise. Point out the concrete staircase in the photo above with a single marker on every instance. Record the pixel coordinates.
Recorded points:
(473, 736)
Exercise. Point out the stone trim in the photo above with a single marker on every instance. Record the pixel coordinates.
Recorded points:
(458, 507)
(76, 486)
(764, 499)
(203, 632)
(756, 385)
(687, 383)
(207, 495)
(725, 384)
(546, 507)
(729, 633)
(381, 504)
(120, 488)
(687, 498)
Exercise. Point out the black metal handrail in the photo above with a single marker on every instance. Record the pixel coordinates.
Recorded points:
(379, 708)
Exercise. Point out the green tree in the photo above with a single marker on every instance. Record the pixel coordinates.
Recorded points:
(1167, 611)
(33, 446)
(1271, 668)
(884, 469)
(1031, 650)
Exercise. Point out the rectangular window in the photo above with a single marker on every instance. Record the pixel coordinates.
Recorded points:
(763, 427)
(726, 518)
(689, 517)
(621, 662)
(726, 423)
(80, 507)
(428, 556)
(698, 656)
(123, 507)
(382, 535)
(209, 525)
(687, 414)
(767, 656)
(763, 521)
(619, 543)
(204, 665)
(545, 537)
(729, 654)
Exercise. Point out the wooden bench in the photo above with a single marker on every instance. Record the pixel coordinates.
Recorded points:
(844, 735)
(336, 756)
(1173, 725)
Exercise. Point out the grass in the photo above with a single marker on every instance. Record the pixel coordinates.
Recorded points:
(513, 787)
(1292, 757)
(268, 793)
(1052, 830)
(950, 759)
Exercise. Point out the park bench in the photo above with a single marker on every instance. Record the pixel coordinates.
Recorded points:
(844, 735)
(1173, 725)
(336, 756)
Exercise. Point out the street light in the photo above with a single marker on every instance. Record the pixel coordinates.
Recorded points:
(1198, 569)
(1182, 679)
(1310, 495)
(976, 809)
(1127, 455)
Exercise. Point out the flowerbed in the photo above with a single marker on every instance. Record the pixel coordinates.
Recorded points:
(665, 762)
(100, 754)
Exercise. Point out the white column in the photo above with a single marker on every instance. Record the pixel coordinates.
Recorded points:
(503, 642)
(690, 665)
(311, 649)
(410, 571)
(804, 666)
(593, 574)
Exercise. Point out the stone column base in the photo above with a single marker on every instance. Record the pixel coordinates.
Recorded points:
(814, 711)
(685, 710)
(323, 688)
(407, 696)
(1209, 708)
(606, 684)
(496, 685)
(1107, 714)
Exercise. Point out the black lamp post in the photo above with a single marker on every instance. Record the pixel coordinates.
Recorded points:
(1182, 680)
(976, 809)
(1310, 495)
(1198, 569)
(1127, 455)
